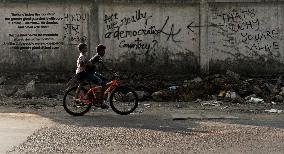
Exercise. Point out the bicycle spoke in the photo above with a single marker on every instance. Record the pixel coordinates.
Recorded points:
(75, 107)
(124, 101)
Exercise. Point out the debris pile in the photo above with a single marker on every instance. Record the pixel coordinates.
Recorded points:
(228, 87)
(30, 85)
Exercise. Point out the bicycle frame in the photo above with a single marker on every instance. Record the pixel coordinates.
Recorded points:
(110, 86)
(122, 99)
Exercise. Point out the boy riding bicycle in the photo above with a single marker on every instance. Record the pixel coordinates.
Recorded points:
(87, 70)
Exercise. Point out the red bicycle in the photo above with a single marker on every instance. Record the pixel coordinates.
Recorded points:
(122, 99)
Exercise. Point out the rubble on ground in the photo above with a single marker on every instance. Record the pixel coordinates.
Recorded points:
(229, 87)
(32, 85)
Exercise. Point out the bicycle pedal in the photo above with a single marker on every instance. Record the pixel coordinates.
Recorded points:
(96, 104)
(83, 101)
(78, 100)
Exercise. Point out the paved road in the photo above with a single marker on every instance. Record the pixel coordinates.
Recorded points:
(149, 130)
(16, 127)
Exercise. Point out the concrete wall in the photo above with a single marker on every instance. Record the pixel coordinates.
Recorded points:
(41, 36)
(151, 37)
(166, 37)
(246, 37)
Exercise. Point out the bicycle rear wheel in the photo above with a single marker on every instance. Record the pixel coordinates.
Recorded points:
(123, 100)
(76, 108)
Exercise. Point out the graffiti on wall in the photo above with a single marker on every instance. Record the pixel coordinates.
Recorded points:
(137, 31)
(41, 30)
(244, 31)
(73, 26)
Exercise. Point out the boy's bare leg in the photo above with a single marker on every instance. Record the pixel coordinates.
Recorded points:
(77, 92)
(100, 97)
(103, 91)
(99, 94)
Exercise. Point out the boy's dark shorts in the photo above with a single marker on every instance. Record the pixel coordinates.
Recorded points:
(81, 76)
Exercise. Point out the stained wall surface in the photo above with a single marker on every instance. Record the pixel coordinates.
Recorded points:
(42, 36)
(246, 37)
(151, 37)
(167, 37)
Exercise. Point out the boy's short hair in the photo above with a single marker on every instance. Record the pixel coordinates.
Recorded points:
(81, 46)
(100, 47)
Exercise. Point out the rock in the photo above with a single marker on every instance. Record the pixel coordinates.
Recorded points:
(10, 92)
(243, 88)
(198, 101)
(2, 92)
(219, 82)
(211, 103)
(234, 97)
(233, 76)
(222, 93)
(274, 111)
(214, 97)
(147, 105)
(255, 100)
(282, 92)
(272, 88)
(249, 97)
(192, 91)
(239, 99)
(278, 98)
(231, 95)
(20, 93)
(197, 79)
(30, 87)
(143, 95)
(279, 81)
(173, 88)
(185, 96)
(51, 104)
(162, 95)
(257, 90)
(2, 80)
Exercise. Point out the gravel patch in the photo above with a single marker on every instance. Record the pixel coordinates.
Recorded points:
(210, 137)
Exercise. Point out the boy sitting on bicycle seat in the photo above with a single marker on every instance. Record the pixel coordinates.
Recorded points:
(83, 73)
(81, 67)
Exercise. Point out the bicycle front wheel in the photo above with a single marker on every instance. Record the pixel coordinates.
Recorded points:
(123, 100)
(73, 107)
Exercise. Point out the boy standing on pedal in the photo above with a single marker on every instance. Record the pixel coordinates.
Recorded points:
(98, 78)
(86, 71)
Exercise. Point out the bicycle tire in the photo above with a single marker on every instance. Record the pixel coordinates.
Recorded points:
(70, 92)
(125, 91)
